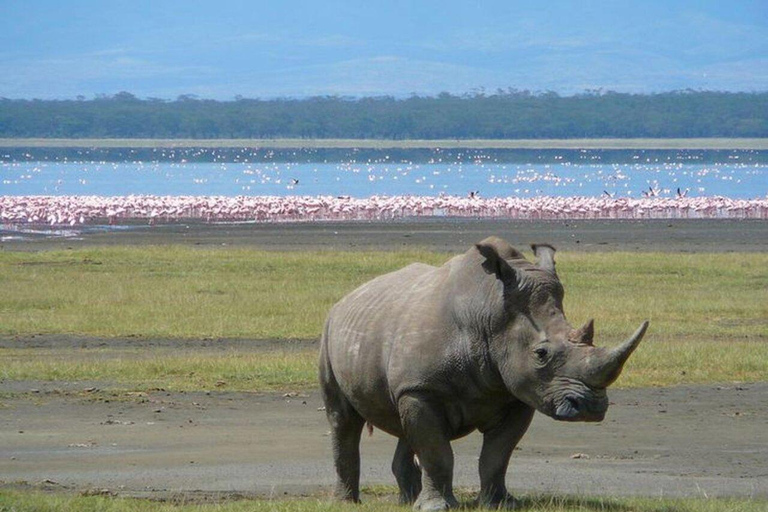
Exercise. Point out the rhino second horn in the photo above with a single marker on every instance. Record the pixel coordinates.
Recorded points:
(613, 360)
(585, 335)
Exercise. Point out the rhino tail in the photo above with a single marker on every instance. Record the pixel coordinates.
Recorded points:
(369, 427)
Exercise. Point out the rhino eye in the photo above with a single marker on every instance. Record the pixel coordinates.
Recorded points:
(541, 353)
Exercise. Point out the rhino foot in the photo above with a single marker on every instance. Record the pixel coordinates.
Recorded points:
(501, 502)
(435, 503)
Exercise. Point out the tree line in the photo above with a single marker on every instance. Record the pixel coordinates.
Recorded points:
(509, 114)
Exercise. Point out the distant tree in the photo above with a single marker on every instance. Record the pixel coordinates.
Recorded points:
(505, 113)
(124, 96)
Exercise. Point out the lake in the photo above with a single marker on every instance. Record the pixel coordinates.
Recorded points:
(362, 173)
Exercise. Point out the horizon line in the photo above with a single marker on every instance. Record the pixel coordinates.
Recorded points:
(704, 143)
(472, 93)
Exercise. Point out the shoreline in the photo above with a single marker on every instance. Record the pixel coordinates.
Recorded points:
(450, 235)
(758, 144)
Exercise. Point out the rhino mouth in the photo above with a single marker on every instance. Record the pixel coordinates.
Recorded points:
(574, 407)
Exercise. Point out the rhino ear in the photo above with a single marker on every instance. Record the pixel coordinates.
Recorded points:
(545, 256)
(503, 248)
(495, 264)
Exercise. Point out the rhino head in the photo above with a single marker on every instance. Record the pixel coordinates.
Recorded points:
(541, 358)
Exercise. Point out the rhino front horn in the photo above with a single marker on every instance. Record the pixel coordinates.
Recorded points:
(615, 359)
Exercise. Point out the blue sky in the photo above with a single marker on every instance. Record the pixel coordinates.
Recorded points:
(61, 49)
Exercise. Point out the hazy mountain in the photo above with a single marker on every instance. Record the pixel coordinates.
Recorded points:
(52, 49)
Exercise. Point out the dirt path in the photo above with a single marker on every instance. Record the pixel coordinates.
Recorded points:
(693, 441)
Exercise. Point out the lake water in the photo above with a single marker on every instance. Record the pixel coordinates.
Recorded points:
(731, 176)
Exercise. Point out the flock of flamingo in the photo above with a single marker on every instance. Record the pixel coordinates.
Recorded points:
(78, 210)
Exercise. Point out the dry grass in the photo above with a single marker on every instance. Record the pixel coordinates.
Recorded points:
(35, 501)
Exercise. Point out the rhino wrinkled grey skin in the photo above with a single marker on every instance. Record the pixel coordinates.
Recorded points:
(430, 354)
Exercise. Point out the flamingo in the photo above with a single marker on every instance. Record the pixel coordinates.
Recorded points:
(73, 210)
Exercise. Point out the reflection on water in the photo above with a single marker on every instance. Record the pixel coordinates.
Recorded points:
(390, 155)
(735, 174)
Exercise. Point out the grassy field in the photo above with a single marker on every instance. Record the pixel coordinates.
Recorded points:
(171, 369)
(25, 501)
(702, 143)
(708, 311)
(179, 292)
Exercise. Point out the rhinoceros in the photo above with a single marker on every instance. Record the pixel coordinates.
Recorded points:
(429, 354)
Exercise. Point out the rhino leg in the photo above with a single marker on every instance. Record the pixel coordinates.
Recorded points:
(346, 428)
(407, 473)
(345, 437)
(426, 431)
(498, 444)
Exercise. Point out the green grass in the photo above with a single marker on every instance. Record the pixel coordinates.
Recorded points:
(180, 292)
(694, 296)
(708, 312)
(166, 368)
(656, 364)
(16, 501)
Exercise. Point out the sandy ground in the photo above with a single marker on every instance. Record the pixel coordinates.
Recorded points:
(451, 235)
(692, 441)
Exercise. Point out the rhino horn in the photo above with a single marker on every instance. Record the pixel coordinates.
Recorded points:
(585, 334)
(609, 365)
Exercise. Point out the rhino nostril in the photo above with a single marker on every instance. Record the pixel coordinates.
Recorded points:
(569, 409)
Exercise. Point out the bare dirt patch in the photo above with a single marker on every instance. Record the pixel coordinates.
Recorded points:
(440, 234)
(694, 441)
(71, 341)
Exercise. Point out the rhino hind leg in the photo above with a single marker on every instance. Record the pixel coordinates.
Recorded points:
(427, 432)
(407, 473)
(345, 437)
(498, 444)
(346, 430)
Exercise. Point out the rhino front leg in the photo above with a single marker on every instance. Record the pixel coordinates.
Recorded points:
(426, 431)
(407, 473)
(498, 444)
